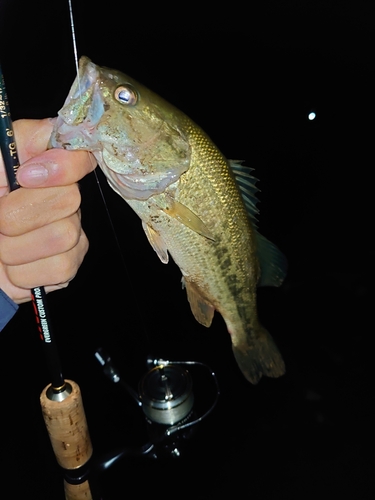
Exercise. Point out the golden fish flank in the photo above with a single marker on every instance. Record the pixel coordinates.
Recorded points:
(195, 205)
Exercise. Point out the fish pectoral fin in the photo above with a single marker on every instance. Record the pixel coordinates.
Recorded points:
(202, 310)
(157, 243)
(183, 214)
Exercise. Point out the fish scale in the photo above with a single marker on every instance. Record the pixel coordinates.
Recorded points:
(187, 196)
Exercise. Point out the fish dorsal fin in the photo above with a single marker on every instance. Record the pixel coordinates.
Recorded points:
(203, 311)
(246, 182)
(272, 262)
(157, 243)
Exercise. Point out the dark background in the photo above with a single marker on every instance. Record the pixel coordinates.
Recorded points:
(249, 76)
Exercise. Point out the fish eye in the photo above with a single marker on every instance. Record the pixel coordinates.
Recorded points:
(126, 94)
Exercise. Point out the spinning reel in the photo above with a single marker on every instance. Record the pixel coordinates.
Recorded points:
(165, 394)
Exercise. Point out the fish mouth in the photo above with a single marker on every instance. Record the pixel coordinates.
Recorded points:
(87, 76)
(84, 102)
(75, 126)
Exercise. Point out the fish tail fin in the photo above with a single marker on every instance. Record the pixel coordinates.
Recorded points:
(258, 355)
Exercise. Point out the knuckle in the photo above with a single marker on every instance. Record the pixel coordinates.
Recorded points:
(64, 235)
(6, 255)
(70, 232)
(69, 262)
(75, 197)
(65, 269)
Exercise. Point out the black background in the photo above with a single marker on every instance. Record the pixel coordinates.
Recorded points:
(249, 76)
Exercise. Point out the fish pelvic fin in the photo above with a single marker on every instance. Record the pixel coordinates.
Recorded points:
(157, 242)
(202, 310)
(258, 355)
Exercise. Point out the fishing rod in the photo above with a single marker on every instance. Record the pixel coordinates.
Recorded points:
(61, 400)
(38, 295)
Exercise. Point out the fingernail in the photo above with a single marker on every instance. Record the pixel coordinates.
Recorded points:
(32, 175)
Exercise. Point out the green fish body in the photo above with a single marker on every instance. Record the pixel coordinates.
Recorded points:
(195, 205)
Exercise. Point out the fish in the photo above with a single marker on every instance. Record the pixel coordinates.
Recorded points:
(196, 206)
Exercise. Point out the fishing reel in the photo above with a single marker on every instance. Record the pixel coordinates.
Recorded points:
(165, 394)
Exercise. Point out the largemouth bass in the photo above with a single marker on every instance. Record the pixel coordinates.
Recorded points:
(195, 205)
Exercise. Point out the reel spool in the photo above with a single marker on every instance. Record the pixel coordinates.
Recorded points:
(167, 403)
(166, 394)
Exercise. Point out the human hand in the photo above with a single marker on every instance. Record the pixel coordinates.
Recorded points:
(41, 239)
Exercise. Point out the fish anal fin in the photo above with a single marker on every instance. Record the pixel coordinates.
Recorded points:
(157, 243)
(184, 215)
(273, 263)
(202, 310)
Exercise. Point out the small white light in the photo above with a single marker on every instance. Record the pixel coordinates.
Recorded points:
(311, 116)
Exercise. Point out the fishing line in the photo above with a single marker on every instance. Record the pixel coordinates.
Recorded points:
(110, 220)
(98, 183)
(72, 28)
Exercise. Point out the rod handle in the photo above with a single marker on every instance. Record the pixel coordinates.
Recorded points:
(70, 439)
(77, 491)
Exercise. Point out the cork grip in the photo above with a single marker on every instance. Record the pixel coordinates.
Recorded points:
(67, 428)
(77, 491)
